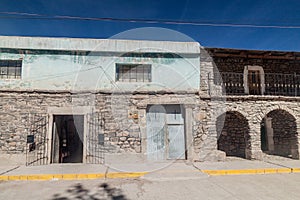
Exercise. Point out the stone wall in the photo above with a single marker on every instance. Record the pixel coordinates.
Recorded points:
(123, 132)
(252, 109)
(16, 108)
(232, 130)
(119, 138)
(285, 132)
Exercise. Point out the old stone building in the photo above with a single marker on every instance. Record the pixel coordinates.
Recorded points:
(69, 100)
(85, 100)
(259, 94)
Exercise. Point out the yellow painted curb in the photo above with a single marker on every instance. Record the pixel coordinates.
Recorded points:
(69, 176)
(43, 177)
(271, 171)
(13, 178)
(125, 174)
(296, 170)
(57, 177)
(249, 171)
(3, 178)
(284, 170)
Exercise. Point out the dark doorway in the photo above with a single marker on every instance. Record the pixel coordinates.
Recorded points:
(67, 145)
(263, 137)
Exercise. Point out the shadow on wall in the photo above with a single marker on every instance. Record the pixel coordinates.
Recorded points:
(78, 191)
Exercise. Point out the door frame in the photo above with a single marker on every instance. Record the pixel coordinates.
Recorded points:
(80, 110)
(262, 78)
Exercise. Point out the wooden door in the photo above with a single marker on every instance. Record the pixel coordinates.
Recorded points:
(254, 82)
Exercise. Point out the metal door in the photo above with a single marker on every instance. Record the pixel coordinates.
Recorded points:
(176, 146)
(95, 139)
(175, 132)
(36, 148)
(165, 132)
(156, 133)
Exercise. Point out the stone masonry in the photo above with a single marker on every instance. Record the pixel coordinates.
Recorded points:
(218, 124)
(232, 130)
(122, 133)
(239, 133)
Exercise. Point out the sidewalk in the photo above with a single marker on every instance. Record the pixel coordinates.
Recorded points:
(93, 171)
(152, 171)
(249, 167)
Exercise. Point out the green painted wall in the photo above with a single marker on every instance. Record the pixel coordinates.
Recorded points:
(70, 70)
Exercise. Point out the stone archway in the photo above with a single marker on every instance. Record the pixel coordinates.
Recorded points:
(279, 134)
(233, 134)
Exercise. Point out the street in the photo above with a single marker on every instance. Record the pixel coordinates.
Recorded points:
(268, 186)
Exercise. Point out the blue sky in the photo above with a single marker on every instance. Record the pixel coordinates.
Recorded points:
(257, 12)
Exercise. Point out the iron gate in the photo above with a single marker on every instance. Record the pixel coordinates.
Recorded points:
(95, 138)
(36, 147)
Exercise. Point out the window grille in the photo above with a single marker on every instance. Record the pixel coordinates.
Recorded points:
(133, 72)
(10, 69)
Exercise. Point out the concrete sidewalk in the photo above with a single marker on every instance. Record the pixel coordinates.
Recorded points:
(249, 167)
(94, 171)
(154, 171)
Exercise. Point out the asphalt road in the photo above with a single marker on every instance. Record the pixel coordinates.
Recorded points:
(272, 186)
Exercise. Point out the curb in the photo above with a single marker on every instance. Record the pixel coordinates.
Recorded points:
(251, 171)
(45, 177)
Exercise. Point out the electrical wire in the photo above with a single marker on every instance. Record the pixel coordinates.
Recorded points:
(35, 16)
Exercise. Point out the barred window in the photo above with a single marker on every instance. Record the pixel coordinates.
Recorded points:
(10, 69)
(133, 72)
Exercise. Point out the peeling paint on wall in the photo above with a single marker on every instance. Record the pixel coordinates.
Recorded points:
(83, 70)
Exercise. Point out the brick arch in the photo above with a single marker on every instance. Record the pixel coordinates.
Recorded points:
(279, 132)
(233, 133)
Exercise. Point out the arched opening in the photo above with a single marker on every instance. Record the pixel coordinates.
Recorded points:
(279, 134)
(233, 134)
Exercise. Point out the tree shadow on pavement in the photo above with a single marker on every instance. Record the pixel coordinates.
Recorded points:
(103, 191)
